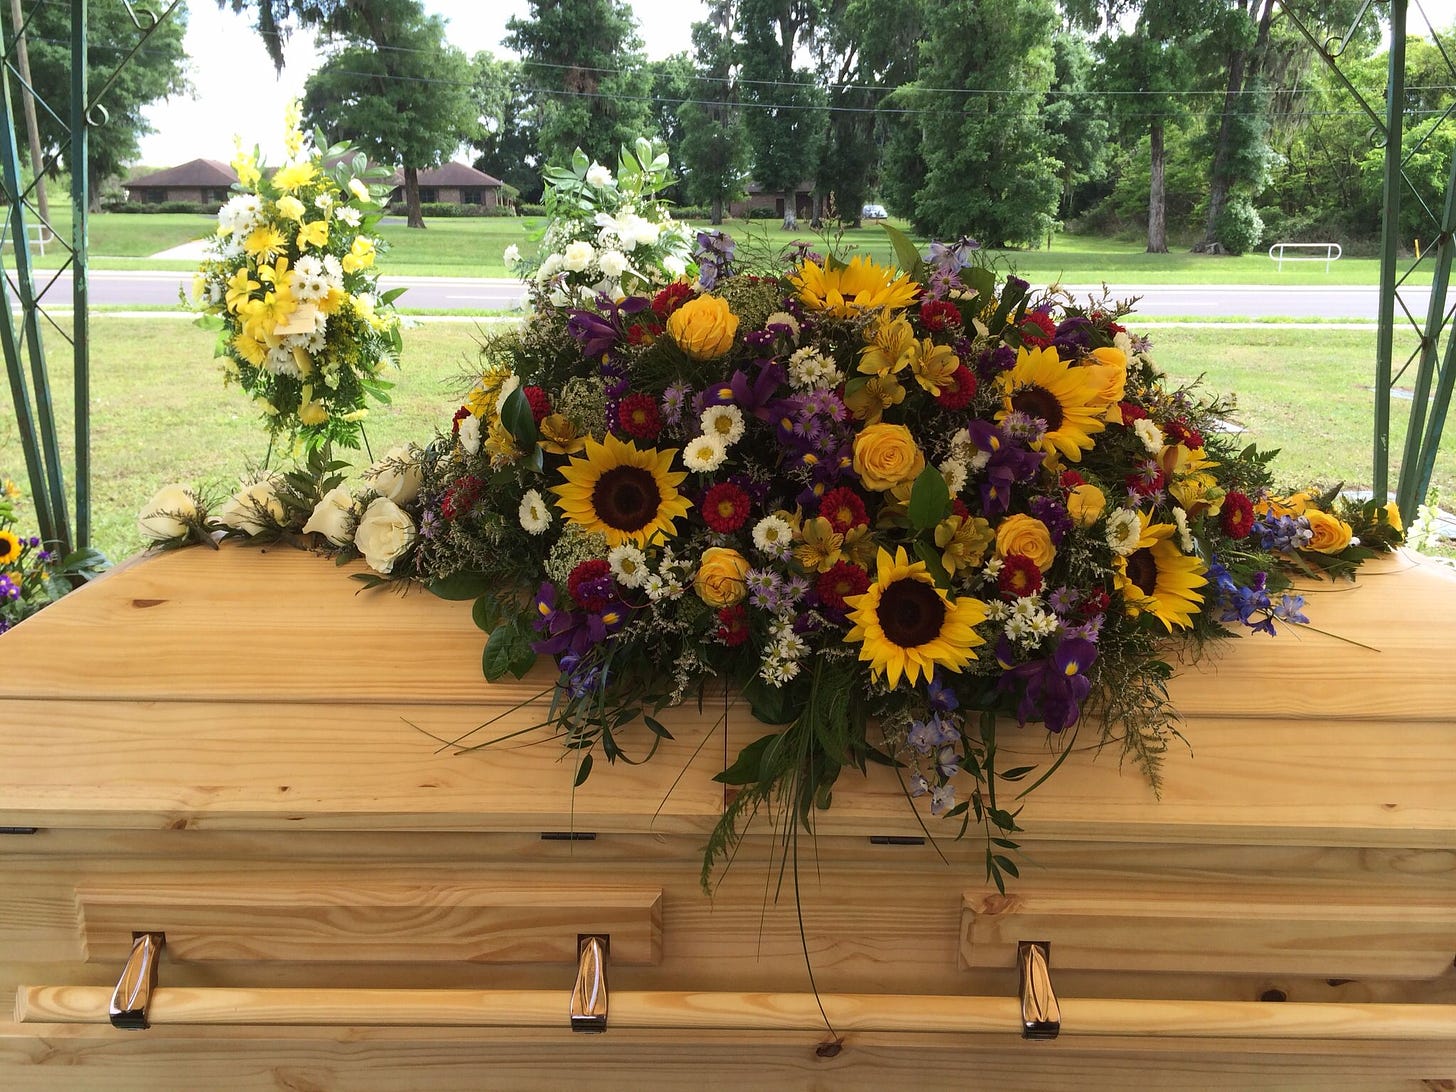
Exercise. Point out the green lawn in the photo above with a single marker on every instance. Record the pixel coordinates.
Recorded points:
(472, 247)
(160, 413)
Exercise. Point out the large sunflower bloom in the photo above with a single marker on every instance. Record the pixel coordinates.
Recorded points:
(1065, 397)
(859, 286)
(1159, 578)
(908, 626)
(625, 494)
(9, 547)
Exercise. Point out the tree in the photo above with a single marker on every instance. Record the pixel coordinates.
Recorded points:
(783, 104)
(392, 86)
(509, 125)
(714, 146)
(674, 82)
(583, 60)
(984, 73)
(155, 71)
(1076, 118)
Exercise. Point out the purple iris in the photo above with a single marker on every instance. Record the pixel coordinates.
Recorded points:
(1055, 686)
(1008, 465)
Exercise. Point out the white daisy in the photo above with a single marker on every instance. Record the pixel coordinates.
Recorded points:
(1123, 531)
(629, 565)
(773, 535)
(1150, 434)
(535, 516)
(725, 422)
(706, 453)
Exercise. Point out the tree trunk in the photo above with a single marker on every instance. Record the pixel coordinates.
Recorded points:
(1157, 210)
(717, 210)
(414, 217)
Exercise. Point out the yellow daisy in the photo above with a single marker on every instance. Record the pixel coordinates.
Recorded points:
(908, 626)
(1159, 578)
(1043, 385)
(622, 493)
(858, 286)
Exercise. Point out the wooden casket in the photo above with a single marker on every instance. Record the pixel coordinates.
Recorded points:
(237, 757)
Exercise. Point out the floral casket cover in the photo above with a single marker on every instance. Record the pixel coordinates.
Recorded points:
(237, 751)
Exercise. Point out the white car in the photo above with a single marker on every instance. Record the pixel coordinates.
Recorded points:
(873, 212)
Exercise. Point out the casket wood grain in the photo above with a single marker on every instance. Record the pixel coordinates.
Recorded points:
(239, 751)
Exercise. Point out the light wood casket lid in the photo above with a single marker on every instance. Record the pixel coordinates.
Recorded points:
(249, 688)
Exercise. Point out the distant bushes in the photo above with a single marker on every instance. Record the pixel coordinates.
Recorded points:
(199, 207)
(450, 209)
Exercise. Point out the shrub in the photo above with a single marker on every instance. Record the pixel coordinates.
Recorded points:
(528, 209)
(450, 209)
(164, 206)
(1239, 228)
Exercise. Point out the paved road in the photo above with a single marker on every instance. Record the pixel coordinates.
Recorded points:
(118, 287)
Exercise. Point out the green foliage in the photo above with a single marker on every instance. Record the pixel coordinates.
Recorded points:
(509, 125)
(1239, 227)
(784, 122)
(714, 145)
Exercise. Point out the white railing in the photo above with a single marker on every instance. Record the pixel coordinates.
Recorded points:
(36, 234)
(1332, 253)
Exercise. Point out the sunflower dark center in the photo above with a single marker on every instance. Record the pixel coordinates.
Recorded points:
(1036, 401)
(1142, 570)
(626, 498)
(911, 613)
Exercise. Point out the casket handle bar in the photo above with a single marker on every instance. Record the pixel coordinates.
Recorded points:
(1041, 1015)
(589, 995)
(132, 998)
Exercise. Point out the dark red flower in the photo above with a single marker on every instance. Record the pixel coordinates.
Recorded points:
(1237, 515)
(461, 496)
(1181, 432)
(843, 581)
(590, 584)
(1070, 479)
(1131, 412)
(460, 415)
(733, 625)
(843, 509)
(959, 396)
(1095, 602)
(1043, 329)
(639, 416)
(540, 403)
(643, 333)
(725, 507)
(1019, 577)
(671, 298)
(958, 508)
(936, 315)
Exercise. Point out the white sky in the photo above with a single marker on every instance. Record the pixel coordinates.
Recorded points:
(236, 90)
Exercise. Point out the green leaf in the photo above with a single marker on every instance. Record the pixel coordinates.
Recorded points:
(461, 586)
(1016, 774)
(929, 499)
(656, 727)
(769, 704)
(516, 417)
(486, 612)
(747, 768)
(583, 771)
(907, 255)
(931, 556)
(87, 561)
(392, 295)
(502, 651)
(209, 322)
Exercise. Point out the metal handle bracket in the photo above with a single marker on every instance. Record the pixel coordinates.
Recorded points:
(133, 994)
(589, 995)
(1041, 1015)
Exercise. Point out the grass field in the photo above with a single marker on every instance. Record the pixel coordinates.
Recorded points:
(161, 414)
(472, 247)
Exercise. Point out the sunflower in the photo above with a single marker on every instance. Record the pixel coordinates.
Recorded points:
(9, 547)
(908, 625)
(1159, 578)
(625, 494)
(859, 286)
(1067, 398)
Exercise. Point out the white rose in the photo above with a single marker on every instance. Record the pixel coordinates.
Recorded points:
(255, 508)
(674, 265)
(598, 176)
(549, 268)
(168, 514)
(512, 256)
(334, 516)
(385, 533)
(613, 263)
(470, 434)
(578, 256)
(397, 475)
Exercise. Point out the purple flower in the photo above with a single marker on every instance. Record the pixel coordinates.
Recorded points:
(674, 401)
(1053, 513)
(1054, 687)
(942, 698)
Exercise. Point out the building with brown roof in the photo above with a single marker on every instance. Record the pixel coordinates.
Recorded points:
(453, 184)
(201, 181)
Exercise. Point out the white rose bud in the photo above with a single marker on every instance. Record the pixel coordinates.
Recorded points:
(470, 434)
(397, 475)
(334, 517)
(598, 176)
(613, 263)
(385, 533)
(169, 513)
(578, 256)
(255, 508)
(512, 256)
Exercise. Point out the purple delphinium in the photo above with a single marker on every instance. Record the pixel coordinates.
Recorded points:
(1251, 604)
(714, 254)
(1282, 533)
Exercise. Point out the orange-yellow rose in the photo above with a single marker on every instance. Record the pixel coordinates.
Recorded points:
(1027, 536)
(1331, 534)
(1110, 368)
(1085, 504)
(703, 327)
(886, 456)
(722, 578)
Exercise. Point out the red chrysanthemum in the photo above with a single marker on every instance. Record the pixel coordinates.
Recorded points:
(843, 580)
(1181, 432)
(843, 509)
(958, 508)
(1070, 479)
(540, 403)
(1095, 602)
(671, 298)
(460, 415)
(733, 625)
(639, 416)
(1019, 577)
(936, 315)
(1131, 412)
(1100, 319)
(958, 396)
(460, 497)
(590, 583)
(726, 507)
(643, 333)
(1237, 515)
(1042, 332)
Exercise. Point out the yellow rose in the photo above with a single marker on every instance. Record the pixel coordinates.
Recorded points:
(1331, 534)
(290, 208)
(1085, 505)
(722, 578)
(886, 456)
(1392, 515)
(703, 327)
(1111, 386)
(1292, 505)
(1027, 536)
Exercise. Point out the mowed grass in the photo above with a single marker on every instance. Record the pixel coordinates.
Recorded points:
(160, 412)
(473, 247)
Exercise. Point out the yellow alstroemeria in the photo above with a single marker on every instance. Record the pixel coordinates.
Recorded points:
(360, 256)
(934, 366)
(559, 436)
(240, 287)
(822, 545)
(311, 411)
(891, 343)
(293, 127)
(315, 234)
(869, 401)
(246, 166)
